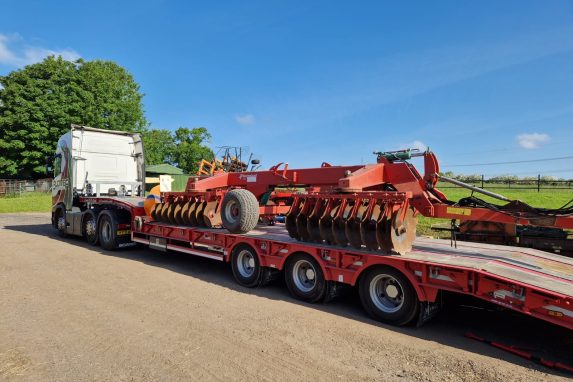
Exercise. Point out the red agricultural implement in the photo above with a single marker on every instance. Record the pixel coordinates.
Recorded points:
(373, 205)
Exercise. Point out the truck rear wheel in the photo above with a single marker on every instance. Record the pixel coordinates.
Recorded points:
(89, 227)
(240, 211)
(304, 278)
(388, 296)
(107, 230)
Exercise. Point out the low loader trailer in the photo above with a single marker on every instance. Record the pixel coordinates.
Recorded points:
(394, 288)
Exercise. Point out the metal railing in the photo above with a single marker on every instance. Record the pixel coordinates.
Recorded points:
(16, 187)
(540, 183)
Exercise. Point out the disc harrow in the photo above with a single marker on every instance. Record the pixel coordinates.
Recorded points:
(194, 211)
(378, 221)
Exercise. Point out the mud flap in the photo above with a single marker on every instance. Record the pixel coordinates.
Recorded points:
(427, 311)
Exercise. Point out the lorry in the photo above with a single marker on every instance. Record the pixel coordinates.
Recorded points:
(98, 194)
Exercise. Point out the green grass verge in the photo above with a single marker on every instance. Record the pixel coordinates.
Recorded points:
(32, 202)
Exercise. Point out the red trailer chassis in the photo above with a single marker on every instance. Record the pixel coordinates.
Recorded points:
(532, 282)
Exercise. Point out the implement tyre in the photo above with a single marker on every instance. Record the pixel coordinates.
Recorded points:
(240, 211)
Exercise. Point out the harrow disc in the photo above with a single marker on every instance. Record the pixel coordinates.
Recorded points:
(185, 213)
(352, 226)
(302, 220)
(170, 213)
(383, 233)
(290, 220)
(211, 215)
(199, 217)
(156, 211)
(326, 221)
(191, 214)
(177, 213)
(403, 232)
(313, 222)
(368, 228)
(339, 224)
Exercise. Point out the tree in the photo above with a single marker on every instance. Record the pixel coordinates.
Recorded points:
(190, 148)
(159, 146)
(39, 102)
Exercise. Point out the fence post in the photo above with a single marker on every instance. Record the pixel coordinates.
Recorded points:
(482, 181)
(538, 182)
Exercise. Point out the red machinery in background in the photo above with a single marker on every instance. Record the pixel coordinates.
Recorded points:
(373, 205)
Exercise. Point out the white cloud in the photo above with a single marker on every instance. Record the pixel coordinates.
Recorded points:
(28, 54)
(414, 145)
(532, 141)
(245, 119)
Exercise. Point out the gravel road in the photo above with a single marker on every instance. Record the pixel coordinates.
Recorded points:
(71, 312)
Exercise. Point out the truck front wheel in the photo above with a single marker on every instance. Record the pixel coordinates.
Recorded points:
(60, 221)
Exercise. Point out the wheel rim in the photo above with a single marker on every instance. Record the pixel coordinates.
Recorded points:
(106, 231)
(61, 223)
(231, 211)
(386, 293)
(246, 263)
(304, 275)
(90, 228)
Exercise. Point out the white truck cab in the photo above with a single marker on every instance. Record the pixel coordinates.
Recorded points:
(93, 162)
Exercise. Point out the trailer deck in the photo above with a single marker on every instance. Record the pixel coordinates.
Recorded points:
(533, 282)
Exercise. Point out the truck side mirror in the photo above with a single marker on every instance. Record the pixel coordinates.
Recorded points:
(255, 161)
(49, 164)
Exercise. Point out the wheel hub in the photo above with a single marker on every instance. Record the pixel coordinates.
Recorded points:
(91, 227)
(61, 223)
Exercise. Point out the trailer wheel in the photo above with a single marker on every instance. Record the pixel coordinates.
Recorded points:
(108, 231)
(240, 211)
(89, 228)
(388, 296)
(304, 278)
(246, 266)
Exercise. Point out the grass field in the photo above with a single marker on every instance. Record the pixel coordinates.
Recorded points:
(38, 202)
(32, 202)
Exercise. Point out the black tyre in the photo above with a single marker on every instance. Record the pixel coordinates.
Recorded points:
(89, 227)
(304, 278)
(107, 230)
(246, 266)
(388, 296)
(240, 211)
(60, 221)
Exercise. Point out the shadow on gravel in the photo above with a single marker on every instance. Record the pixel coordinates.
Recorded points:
(459, 315)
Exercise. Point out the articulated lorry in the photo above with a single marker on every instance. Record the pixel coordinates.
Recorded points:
(98, 194)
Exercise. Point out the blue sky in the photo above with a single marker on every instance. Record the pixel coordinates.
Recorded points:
(307, 82)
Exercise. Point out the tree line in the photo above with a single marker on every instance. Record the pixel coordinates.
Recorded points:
(40, 101)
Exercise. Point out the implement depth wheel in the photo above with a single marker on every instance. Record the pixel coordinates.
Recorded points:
(240, 211)
(388, 296)
(304, 278)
